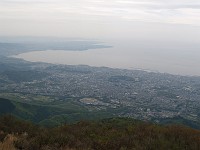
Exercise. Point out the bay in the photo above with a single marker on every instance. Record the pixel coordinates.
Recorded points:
(127, 55)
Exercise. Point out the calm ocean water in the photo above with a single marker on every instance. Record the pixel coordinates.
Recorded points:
(174, 60)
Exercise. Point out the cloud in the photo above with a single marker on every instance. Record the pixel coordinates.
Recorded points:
(101, 13)
(184, 11)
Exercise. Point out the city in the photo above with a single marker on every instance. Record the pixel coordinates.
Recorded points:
(129, 93)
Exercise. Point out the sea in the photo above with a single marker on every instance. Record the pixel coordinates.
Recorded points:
(156, 57)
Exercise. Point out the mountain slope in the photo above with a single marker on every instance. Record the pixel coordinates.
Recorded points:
(107, 134)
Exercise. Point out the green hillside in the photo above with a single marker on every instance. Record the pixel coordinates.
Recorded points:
(6, 106)
(49, 114)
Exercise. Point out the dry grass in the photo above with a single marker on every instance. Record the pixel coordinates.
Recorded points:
(50, 148)
(8, 143)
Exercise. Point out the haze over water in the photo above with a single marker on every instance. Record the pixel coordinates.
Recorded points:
(160, 57)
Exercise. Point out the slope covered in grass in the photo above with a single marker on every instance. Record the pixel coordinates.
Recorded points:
(107, 134)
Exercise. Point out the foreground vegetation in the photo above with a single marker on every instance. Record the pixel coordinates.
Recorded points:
(107, 134)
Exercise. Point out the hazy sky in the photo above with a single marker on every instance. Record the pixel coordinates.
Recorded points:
(154, 34)
(101, 18)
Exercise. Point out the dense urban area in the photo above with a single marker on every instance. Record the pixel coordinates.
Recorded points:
(124, 93)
